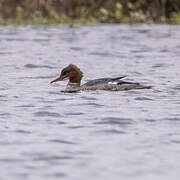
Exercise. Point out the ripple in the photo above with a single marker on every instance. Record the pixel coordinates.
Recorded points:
(3, 96)
(40, 40)
(3, 100)
(172, 119)
(134, 92)
(114, 121)
(76, 48)
(11, 160)
(59, 174)
(25, 106)
(22, 132)
(176, 87)
(139, 56)
(61, 141)
(144, 31)
(164, 50)
(88, 98)
(52, 158)
(103, 54)
(3, 89)
(75, 113)
(60, 122)
(47, 101)
(15, 143)
(111, 131)
(54, 93)
(38, 77)
(5, 114)
(176, 141)
(92, 104)
(46, 114)
(50, 121)
(63, 99)
(76, 127)
(158, 65)
(5, 53)
(32, 66)
(150, 120)
(143, 99)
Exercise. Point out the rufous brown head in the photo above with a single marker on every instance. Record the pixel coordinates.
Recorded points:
(71, 73)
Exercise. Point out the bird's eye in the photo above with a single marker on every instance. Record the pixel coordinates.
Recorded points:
(64, 73)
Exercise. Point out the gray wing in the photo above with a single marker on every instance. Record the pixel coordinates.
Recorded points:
(104, 80)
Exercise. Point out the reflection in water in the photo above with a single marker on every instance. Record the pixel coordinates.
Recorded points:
(47, 134)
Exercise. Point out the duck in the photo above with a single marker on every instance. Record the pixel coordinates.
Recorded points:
(75, 75)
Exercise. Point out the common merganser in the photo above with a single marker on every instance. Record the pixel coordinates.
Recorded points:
(74, 75)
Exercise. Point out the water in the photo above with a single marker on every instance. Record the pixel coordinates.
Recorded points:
(46, 134)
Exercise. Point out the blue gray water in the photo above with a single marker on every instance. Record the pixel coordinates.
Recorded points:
(46, 134)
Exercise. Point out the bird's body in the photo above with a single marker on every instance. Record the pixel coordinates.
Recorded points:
(74, 75)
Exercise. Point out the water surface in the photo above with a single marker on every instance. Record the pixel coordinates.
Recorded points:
(46, 134)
